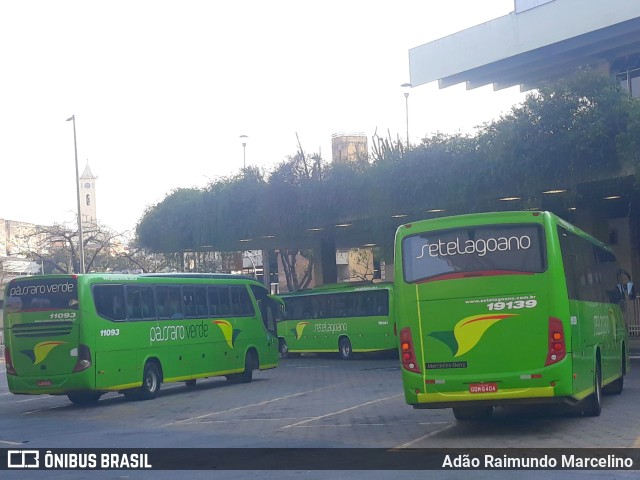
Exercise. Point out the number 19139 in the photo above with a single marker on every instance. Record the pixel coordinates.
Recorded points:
(512, 305)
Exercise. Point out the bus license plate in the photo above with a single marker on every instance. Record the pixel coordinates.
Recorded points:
(44, 383)
(483, 387)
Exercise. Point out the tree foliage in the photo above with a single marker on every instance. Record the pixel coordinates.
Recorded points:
(562, 135)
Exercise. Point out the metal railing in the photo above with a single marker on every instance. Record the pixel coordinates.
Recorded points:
(632, 317)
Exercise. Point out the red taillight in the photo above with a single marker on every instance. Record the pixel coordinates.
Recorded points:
(557, 348)
(84, 359)
(407, 353)
(8, 363)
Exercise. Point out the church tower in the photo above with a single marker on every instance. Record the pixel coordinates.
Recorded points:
(88, 197)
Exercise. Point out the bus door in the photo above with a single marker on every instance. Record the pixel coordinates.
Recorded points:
(271, 311)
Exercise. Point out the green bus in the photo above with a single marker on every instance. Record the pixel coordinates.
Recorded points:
(343, 318)
(504, 308)
(84, 335)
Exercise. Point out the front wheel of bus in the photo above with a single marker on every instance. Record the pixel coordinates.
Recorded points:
(283, 348)
(151, 381)
(84, 398)
(593, 403)
(250, 364)
(344, 348)
(464, 414)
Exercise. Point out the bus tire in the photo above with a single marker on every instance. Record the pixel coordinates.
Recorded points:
(344, 348)
(283, 348)
(151, 381)
(593, 403)
(84, 398)
(250, 364)
(615, 387)
(465, 414)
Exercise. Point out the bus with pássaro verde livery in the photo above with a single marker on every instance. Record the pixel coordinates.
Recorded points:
(84, 335)
(506, 308)
(343, 318)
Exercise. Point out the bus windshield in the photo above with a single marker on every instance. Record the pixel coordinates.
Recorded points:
(490, 250)
(42, 294)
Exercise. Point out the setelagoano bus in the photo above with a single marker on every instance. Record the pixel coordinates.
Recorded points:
(506, 308)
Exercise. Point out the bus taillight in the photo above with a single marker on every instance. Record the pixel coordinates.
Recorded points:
(557, 348)
(84, 359)
(407, 352)
(8, 363)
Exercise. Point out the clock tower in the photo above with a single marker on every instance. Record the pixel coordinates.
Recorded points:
(88, 197)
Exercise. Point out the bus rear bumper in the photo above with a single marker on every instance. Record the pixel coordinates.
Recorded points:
(50, 385)
(511, 396)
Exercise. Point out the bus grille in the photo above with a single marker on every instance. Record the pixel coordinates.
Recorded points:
(49, 329)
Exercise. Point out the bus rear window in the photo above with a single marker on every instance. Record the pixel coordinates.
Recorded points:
(495, 249)
(42, 294)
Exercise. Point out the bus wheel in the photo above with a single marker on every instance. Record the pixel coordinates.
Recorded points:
(615, 387)
(250, 364)
(84, 398)
(593, 403)
(344, 348)
(151, 380)
(464, 414)
(283, 348)
(190, 383)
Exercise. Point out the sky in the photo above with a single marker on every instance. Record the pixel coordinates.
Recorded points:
(162, 91)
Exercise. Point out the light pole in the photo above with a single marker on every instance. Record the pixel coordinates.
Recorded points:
(243, 139)
(406, 87)
(72, 118)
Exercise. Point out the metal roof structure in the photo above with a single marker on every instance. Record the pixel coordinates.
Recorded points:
(547, 40)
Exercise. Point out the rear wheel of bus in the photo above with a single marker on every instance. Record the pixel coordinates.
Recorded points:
(616, 387)
(593, 403)
(464, 414)
(283, 348)
(151, 381)
(84, 398)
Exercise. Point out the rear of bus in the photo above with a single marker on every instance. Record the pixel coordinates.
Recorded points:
(481, 316)
(42, 322)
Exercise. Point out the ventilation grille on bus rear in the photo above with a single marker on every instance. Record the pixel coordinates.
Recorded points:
(49, 329)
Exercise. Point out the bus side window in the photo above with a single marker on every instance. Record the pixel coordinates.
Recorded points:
(163, 303)
(147, 302)
(201, 302)
(219, 301)
(241, 301)
(189, 298)
(177, 307)
(134, 307)
(110, 301)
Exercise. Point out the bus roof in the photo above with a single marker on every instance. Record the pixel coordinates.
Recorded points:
(483, 218)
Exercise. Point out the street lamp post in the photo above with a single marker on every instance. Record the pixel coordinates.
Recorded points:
(243, 139)
(406, 87)
(72, 118)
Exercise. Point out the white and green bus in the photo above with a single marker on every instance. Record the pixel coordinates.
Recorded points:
(507, 308)
(343, 318)
(84, 335)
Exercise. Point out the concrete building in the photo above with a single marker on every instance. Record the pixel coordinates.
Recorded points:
(348, 147)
